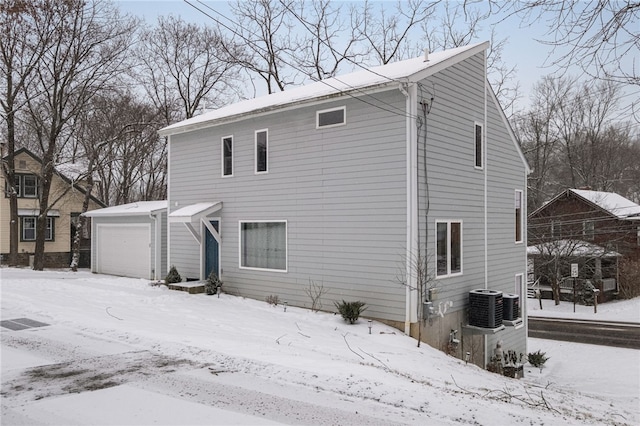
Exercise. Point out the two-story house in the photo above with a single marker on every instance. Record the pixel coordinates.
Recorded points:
(352, 183)
(593, 229)
(61, 218)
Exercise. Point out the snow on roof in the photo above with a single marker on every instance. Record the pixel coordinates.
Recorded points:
(570, 248)
(186, 214)
(139, 208)
(384, 75)
(615, 204)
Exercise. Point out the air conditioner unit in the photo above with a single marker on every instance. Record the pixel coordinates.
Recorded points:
(485, 308)
(510, 307)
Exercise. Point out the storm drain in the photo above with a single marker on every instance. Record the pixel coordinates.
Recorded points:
(21, 324)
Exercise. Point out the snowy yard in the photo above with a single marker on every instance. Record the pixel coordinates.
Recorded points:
(117, 351)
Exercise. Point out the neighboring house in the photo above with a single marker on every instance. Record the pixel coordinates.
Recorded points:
(130, 240)
(327, 184)
(593, 229)
(61, 218)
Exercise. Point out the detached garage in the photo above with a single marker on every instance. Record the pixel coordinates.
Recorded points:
(130, 240)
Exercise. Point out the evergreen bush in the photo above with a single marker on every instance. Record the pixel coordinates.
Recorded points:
(350, 311)
(173, 276)
(213, 284)
(537, 359)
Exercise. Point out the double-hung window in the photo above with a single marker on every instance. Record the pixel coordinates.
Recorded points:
(478, 145)
(448, 248)
(263, 245)
(518, 215)
(26, 186)
(29, 229)
(262, 151)
(227, 156)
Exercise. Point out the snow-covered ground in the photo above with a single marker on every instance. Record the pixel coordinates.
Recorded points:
(118, 351)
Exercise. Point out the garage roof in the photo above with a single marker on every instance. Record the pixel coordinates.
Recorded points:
(139, 208)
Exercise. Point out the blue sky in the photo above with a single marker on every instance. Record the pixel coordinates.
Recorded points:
(522, 50)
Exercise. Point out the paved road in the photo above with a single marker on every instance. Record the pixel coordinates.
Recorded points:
(607, 333)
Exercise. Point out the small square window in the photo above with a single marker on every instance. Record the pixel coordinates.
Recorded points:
(331, 117)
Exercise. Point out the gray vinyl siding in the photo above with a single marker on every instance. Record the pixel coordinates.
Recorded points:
(456, 189)
(342, 191)
(455, 186)
(506, 258)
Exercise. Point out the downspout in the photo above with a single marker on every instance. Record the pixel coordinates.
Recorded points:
(155, 220)
(486, 167)
(410, 93)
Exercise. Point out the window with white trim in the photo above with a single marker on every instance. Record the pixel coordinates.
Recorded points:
(262, 151)
(227, 156)
(478, 145)
(518, 215)
(28, 232)
(448, 248)
(331, 117)
(263, 245)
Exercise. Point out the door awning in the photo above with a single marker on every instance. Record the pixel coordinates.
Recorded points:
(36, 212)
(194, 212)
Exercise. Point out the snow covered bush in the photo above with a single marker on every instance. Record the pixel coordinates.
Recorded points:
(537, 359)
(173, 276)
(213, 284)
(350, 311)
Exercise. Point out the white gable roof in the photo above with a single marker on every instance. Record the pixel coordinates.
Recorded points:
(139, 208)
(615, 204)
(392, 74)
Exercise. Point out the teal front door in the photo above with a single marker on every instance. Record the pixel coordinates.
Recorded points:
(212, 251)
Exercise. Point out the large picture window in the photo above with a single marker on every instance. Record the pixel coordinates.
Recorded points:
(262, 151)
(448, 248)
(227, 156)
(263, 245)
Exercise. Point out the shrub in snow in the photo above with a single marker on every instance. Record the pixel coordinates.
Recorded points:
(537, 359)
(272, 300)
(213, 284)
(350, 311)
(173, 276)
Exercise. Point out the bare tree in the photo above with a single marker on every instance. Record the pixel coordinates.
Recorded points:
(264, 29)
(186, 67)
(386, 34)
(595, 35)
(20, 53)
(86, 45)
(327, 41)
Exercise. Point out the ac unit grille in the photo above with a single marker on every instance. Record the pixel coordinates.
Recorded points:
(485, 308)
(511, 307)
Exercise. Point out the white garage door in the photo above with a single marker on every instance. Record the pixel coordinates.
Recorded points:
(124, 250)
